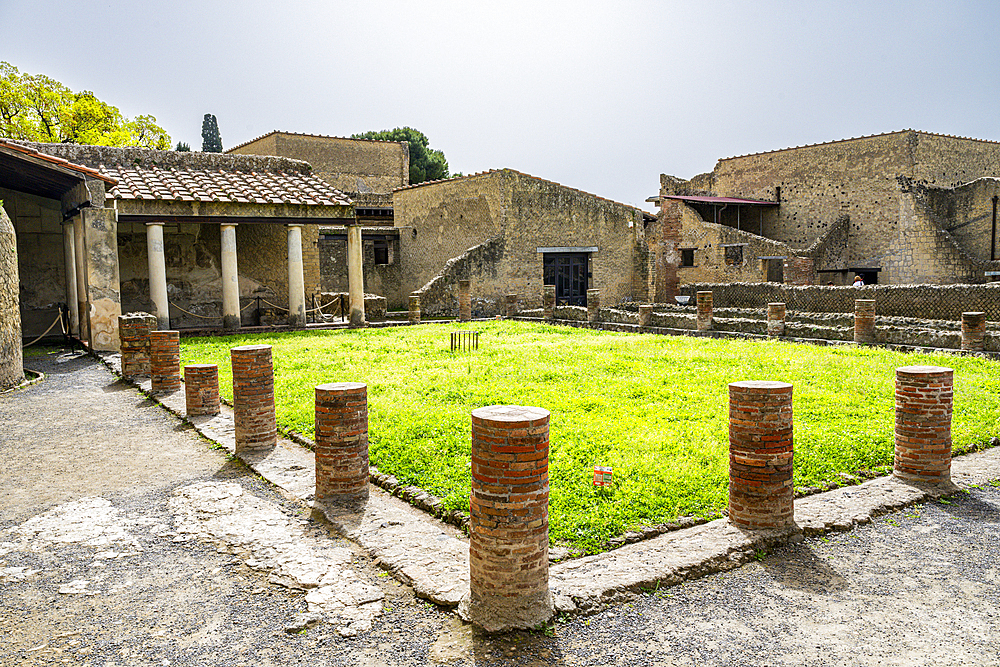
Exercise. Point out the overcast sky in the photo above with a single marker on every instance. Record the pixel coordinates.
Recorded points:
(600, 96)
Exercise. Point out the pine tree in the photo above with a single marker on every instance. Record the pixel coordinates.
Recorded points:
(183, 146)
(211, 140)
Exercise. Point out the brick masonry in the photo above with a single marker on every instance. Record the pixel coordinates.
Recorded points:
(973, 331)
(923, 423)
(342, 442)
(201, 389)
(253, 398)
(593, 305)
(414, 314)
(510, 305)
(509, 519)
(704, 304)
(133, 329)
(761, 494)
(464, 300)
(645, 314)
(548, 301)
(165, 361)
(864, 321)
(775, 319)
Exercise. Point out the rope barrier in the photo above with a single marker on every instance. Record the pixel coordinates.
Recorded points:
(274, 305)
(204, 317)
(247, 306)
(58, 319)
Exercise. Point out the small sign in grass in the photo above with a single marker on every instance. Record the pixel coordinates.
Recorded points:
(653, 408)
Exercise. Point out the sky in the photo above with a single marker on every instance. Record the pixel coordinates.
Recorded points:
(599, 96)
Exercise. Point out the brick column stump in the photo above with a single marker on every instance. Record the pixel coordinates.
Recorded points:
(165, 361)
(414, 309)
(549, 302)
(761, 494)
(133, 329)
(464, 301)
(509, 519)
(510, 305)
(201, 389)
(593, 305)
(923, 423)
(973, 332)
(775, 319)
(342, 443)
(704, 301)
(864, 321)
(253, 398)
(645, 315)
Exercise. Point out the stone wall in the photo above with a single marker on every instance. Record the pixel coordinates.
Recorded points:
(480, 266)
(11, 363)
(382, 279)
(350, 165)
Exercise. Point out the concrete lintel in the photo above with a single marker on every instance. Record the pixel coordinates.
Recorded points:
(542, 249)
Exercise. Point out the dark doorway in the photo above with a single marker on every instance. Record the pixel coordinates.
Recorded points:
(869, 275)
(568, 272)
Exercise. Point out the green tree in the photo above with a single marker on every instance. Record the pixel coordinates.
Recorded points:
(183, 147)
(211, 140)
(34, 107)
(426, 164)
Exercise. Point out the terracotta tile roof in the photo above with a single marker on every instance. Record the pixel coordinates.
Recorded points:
(866, 136)
(57, 161)
(221, 185)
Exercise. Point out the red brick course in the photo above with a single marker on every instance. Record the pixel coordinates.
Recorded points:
(548, 301)
(509, 518)
(342, 442)
(761, 494)
(165, 361)
(253, 398)
(775, 319)
(973, 331)
(133, 329)
(201, 389)
(464, 300)
(864, 321)
(704, 301)
(923, 423)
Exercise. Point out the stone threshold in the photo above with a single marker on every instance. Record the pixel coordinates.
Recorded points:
(433, 557)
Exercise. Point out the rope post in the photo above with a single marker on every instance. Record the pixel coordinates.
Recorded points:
(864, 321)
(201, 389)
(923, 423)
(775, 319)
(974, 331)
(415, 308)
(704, 317)
(253, 398)
(342, 443)
(549, 302)
(165, 361)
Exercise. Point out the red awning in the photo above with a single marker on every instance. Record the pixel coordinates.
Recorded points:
(722, 200)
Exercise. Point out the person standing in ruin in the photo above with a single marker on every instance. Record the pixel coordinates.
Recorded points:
(859, 281)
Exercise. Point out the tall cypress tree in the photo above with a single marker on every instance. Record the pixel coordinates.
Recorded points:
(211, 140)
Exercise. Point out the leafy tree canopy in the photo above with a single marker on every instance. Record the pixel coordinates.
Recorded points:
(211, 140)
(183, 147)
(426, 164)
(34, 107)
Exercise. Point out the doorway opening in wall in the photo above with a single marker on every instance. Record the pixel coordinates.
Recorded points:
(868, 274)
(773, 269)
(569, 273)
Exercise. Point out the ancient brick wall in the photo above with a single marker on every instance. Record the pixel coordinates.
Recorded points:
(11, 363)
(381, 279)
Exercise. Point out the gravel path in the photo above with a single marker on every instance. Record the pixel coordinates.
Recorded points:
(110, 556)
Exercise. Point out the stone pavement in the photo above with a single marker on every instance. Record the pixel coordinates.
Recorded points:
(433, 556)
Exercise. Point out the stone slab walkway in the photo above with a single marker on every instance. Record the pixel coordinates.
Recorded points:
(432, 556)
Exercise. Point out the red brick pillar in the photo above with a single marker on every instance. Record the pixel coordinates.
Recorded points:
(973, 331)
(704, 300)
(510, 305)
(133, 330)
(549, 302)
(165, 361)
(342, 442)
(761, 494)
(593, 305)
(923, 423)
(645, 314)
(509, 519)
(864, 321)
(253, 398)
(414, 309)
(464, 301)
(201, 389)
(775, 319)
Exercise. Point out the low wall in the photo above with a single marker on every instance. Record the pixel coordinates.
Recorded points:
(479, 264)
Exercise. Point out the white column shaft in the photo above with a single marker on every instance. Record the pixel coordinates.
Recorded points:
(355, 276)
(158, 275)
(296, 279)
(230, 280)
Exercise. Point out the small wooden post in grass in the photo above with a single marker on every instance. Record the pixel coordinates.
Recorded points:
(464, 300)
(342, 442)
(761, 494)
(201, 389)
(253, 398)
(973, 331)
(775, 319)
(593, 305)
(923, 423)
(864, 321)
(704, 318)
(509, 519)
(414, 308)
(549, 302)
(165, 361)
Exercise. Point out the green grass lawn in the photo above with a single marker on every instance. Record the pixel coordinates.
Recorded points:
(653, 407)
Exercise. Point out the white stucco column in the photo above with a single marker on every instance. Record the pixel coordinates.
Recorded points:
(157, 274)
(355, 276)
(69, 248)
(230, 280)
(296, 279)
(80, 253)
